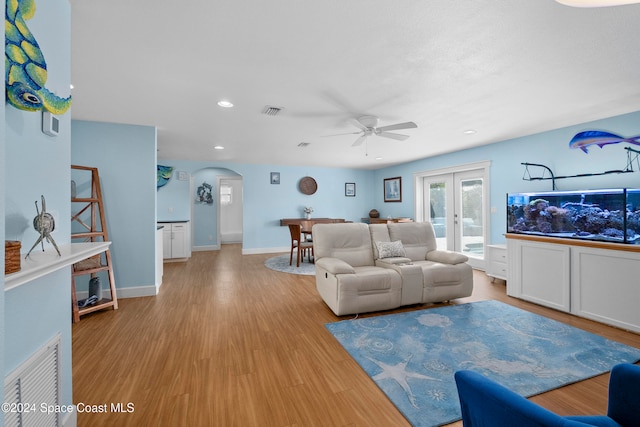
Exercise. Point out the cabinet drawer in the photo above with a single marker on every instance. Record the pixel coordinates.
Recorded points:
(498, 269)
(499, 255)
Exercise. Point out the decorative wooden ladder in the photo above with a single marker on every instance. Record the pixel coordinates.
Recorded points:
(96, 231)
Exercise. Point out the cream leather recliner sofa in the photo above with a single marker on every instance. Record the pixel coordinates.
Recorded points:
(362, 268)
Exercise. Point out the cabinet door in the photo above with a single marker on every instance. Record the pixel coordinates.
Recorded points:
(541, 273)
(604, 286)
(166, 241)
(178, 241)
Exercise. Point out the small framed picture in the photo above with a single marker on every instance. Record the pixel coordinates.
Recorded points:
(350, 189)
(393, 189)
(275, 177)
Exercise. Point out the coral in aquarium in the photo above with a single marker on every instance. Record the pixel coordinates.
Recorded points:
(577, 215)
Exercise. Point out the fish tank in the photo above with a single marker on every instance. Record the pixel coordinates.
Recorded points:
(601, 215)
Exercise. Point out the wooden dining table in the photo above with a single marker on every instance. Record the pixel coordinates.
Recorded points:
(307, 224)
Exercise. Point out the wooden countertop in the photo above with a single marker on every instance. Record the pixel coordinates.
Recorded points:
(575, 242)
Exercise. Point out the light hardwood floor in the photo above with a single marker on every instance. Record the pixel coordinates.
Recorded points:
(228, 342)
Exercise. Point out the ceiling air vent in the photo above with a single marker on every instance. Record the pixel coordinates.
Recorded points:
(304, 144)
(271, 111)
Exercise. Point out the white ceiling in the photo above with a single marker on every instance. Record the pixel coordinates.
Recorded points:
(505, 68)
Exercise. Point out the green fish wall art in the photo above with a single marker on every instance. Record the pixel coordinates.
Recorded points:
(25, 67)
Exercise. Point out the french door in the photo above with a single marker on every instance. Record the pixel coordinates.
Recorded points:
(455, 203)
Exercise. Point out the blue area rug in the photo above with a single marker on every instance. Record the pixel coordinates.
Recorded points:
(281, 263)
(412, 356)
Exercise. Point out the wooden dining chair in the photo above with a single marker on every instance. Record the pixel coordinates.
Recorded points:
(296, 243)
(306, 236)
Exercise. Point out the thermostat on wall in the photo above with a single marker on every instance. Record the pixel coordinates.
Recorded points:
(50, 124)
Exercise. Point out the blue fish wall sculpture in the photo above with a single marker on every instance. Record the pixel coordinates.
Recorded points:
(25, 67)
(584, 140)
(164, 175)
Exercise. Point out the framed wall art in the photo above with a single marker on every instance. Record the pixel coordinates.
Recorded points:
(393, 189)
(350, 189)
(275, 177)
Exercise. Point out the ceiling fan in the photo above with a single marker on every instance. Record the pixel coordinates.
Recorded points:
(368, 126)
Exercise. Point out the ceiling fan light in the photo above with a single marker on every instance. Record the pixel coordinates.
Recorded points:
(596, 3)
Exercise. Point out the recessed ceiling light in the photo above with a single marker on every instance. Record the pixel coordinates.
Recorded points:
(70, 86)
(225, 104)
(218, 147)
(378, 158)
(469, 132)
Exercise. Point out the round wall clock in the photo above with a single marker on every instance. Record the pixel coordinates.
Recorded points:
(308, 185)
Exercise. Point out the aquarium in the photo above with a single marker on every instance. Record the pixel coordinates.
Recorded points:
(602, 215)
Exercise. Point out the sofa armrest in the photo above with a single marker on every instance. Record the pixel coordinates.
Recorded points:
(335, 266)
(446, 257)
(624, 399)
(392, 261)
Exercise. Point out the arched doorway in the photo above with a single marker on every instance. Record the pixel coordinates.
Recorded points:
(216, 209)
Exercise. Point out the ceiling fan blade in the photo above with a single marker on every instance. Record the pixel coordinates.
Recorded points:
(340, 134)
(358, 124)
(406, 125)
(359, 141)
(396, 136)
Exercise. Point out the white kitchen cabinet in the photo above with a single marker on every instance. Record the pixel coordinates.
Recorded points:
(595, 280)
(497, 261)
(176, 240)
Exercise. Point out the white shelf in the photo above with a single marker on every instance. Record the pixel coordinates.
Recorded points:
(42, 263)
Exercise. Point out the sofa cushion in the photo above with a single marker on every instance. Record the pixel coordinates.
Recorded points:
(390, 249)
(417, 238)
(379, 233)
(350, 242)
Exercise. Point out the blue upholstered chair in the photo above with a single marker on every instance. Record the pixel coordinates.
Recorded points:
(485, 403)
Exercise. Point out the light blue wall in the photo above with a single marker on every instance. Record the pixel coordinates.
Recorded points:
(205, 216)
(265, 203)
(125, 158)
(174, 198)
(36, 164)
(548, 148)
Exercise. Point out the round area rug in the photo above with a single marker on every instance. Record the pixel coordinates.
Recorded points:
(281, 263)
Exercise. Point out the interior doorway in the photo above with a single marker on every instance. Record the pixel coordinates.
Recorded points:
(229, 209)
(455, 201)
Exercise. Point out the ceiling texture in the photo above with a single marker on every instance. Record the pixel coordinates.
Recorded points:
(500, 68)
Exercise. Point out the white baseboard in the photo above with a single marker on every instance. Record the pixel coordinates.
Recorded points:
(205, 248)
(133, 292)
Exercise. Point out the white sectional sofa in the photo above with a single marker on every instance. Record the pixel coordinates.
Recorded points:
(362, 268)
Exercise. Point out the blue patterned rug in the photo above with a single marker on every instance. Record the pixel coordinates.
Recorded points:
(412, 356)
(281, 263)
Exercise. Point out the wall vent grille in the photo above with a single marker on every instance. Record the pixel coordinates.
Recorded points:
(36, 381)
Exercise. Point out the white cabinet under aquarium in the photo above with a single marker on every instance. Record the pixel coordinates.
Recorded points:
(590, 279)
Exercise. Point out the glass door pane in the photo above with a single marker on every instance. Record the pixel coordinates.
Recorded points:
(439, 207)
(470, 216)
